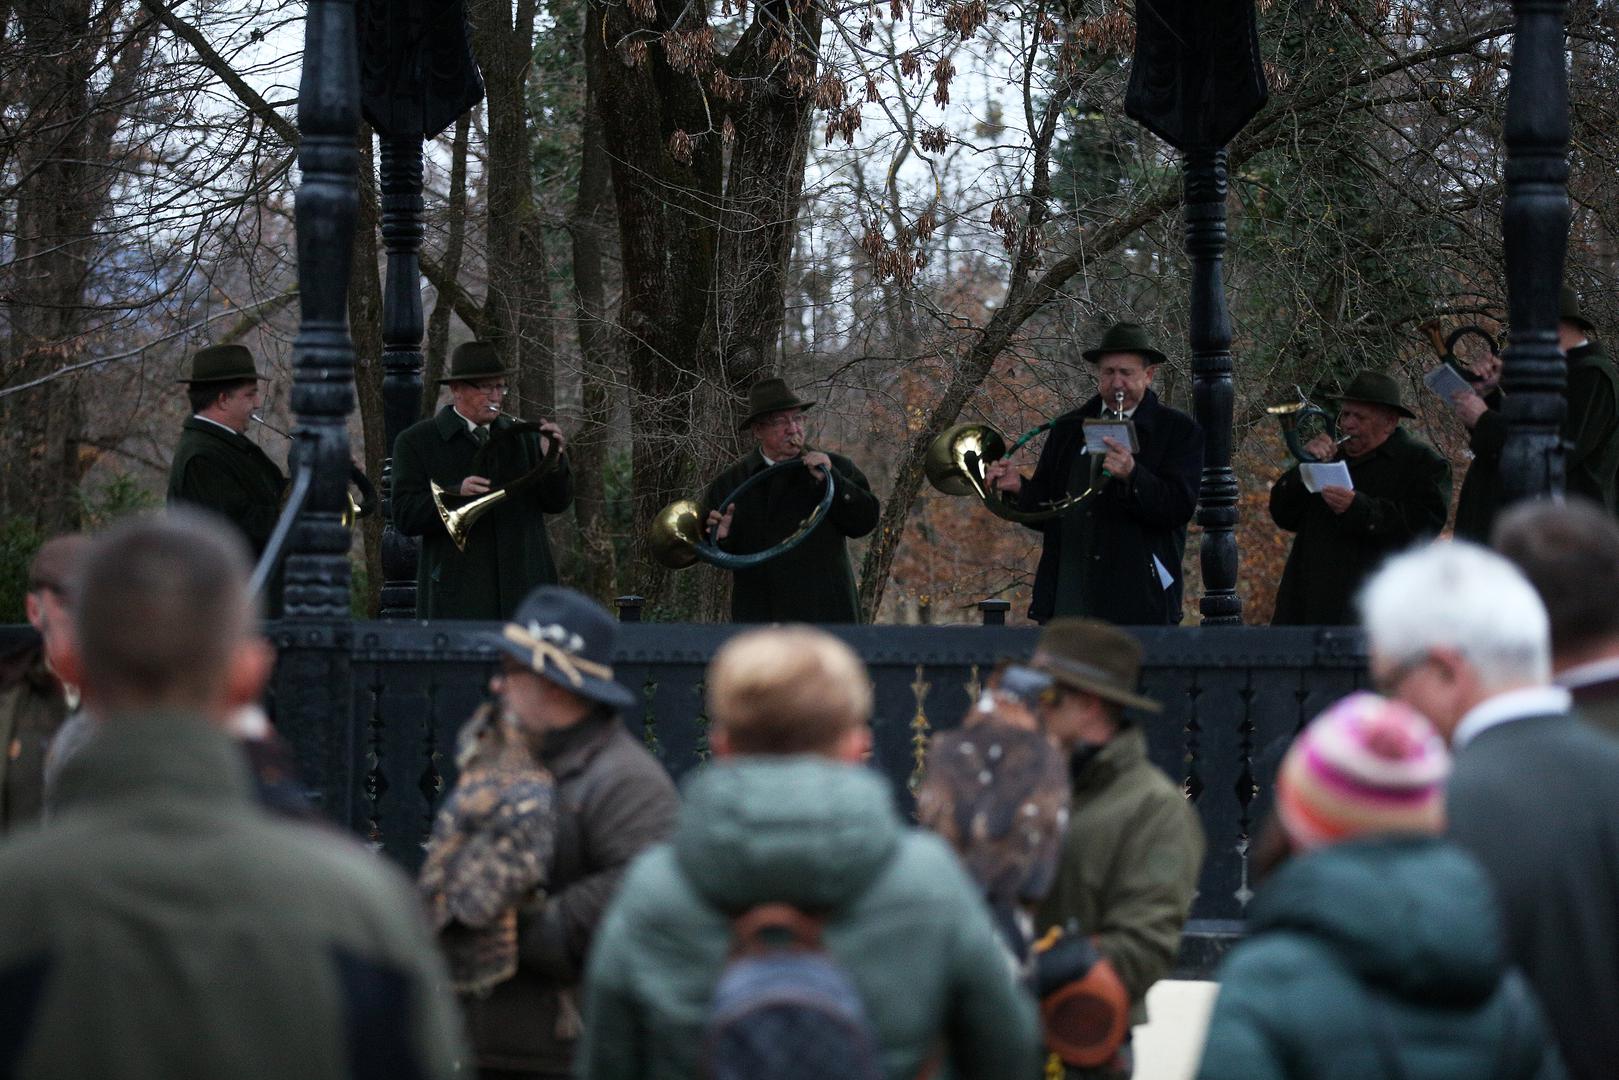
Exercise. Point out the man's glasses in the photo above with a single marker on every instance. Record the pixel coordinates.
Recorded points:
(489, 389)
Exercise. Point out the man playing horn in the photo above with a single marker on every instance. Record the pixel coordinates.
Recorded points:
(1116, 555)
(813, 581)
(507, 552)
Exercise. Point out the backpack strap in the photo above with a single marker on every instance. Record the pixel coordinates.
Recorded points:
(769, 927)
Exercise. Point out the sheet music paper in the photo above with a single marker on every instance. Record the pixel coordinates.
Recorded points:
(1319, 474)
(1120, 431)
(1445, 381)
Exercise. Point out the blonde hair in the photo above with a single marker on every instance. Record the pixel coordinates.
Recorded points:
(787, 690)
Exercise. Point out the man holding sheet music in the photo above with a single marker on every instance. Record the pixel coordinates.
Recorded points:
(1380, 491)
(1116, 555)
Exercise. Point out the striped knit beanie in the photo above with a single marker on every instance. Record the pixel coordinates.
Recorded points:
(1365, 766)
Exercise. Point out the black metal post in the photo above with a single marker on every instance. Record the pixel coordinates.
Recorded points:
(629, 607)
(1210, 331)
(313, 692)
(402, 328)
(993, 612)
(1534, 226)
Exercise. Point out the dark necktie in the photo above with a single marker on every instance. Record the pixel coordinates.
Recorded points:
(480, 435)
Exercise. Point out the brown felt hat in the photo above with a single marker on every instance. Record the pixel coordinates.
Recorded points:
(1126, 337)
(771, 395)
(1094, 656)
(221, 363)
(474, 360)
(1375, 388)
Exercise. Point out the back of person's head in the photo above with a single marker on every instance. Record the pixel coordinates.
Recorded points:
(55, 565)
(163, 612)
(1459, 596)
(1365, 767)
(1569, 551)
(787, 690)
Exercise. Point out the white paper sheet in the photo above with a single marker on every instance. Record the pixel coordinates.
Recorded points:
(1120, 431)
(1320, 474)
(1445, 381)
(1165, 578)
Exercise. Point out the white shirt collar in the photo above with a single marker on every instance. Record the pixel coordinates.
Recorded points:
(216, 423)
(470, 425)
(1592, 671)
(1513, 705)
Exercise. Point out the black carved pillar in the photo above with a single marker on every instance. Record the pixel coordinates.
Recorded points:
(1534, 225)
(313, 686)
(417, 76)
(1210, 331)
(1196, 81)
(402, 328)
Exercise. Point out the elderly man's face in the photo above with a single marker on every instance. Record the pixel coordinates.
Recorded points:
(479, 400)
(1367, 425)
(235, 407)
(780, 434)
(1439, 683)
(1123, 373)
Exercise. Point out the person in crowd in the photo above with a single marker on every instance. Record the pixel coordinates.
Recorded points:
(162, 924)
(812, 582)
(469, 450)
(1400, 494)
(216, 467)
(786, 819)
(1457, 632)
(1134, 845)
(612, 800)
(1590, 426)
(34, 701)
(1569, 551)
(1373, 949)
(1117, 554)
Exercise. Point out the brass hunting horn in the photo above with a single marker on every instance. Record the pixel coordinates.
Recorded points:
(676, 538)
(1303, 420)
(1444, 345)
(458, 521)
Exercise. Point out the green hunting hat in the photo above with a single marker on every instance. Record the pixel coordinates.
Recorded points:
(1375, 388)
(474, 360)
(221, 363)
(1568, 310)
(771, 395)
(1126, 337)
(1094, 656)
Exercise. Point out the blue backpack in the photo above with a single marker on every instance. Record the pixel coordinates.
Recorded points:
(784, 1009)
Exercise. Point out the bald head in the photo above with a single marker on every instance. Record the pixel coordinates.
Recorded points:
(1569, 551)
(162, 612)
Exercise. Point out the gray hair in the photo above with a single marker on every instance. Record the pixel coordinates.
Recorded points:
(1459, 596)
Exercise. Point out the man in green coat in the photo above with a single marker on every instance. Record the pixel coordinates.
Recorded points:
(1401, 494)
(813, 582)
(216, 466)
(1590, 427)
(1134, 845)
(469, 450)
(786, 814)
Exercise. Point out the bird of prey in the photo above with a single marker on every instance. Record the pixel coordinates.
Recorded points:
(487, 857)
(998, 793)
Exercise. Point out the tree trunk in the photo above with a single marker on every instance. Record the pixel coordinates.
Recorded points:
(455, 237)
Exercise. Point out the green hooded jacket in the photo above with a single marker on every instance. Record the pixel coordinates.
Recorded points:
(1376, 959)
(902, 919)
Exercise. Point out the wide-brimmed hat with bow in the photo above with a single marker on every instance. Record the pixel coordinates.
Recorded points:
(1126, 337)
(771, 395)
(1094, 656)
(1375, 388)
(474, 360)
(567, 638)
(221, 363)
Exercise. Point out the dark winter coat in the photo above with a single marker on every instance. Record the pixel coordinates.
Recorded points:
(1122, 529)
(902, 919)
(813, 582)
(1402, 495)
(163, 926)
(1590, 437)
(507, 552)
(614, 800)
(1130, 863)
(227, 473)
(1537, 802)
(32, 708)
(1376, 959)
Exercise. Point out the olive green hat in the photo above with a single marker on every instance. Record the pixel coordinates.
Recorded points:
(1568, 310)
(771, 395)
(1093, 656)
(221, 363)
(1126, 337)
(1375, 388)
(474, 360)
